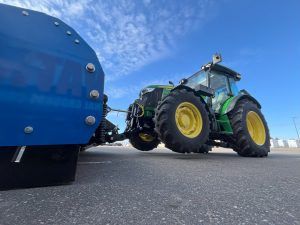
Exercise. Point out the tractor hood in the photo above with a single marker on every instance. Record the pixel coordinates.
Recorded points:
(151, 88)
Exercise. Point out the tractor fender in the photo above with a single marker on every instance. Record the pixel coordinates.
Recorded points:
(203, 91)
(180, 87)
(242, 95)
(197, 93)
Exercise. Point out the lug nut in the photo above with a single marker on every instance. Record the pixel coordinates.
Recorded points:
(69, 33)
(90, 67)
(28, 130)
(90, 120)
(94, 94)
(56, 23)
(76, 41)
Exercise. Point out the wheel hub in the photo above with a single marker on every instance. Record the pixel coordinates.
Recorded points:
(146, 137)
(256, 128)
(188, 120)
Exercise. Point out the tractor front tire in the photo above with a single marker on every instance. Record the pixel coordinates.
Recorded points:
(182, 122)
(144, 141)
(250, 130)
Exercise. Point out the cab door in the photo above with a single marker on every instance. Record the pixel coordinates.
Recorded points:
(220, 84)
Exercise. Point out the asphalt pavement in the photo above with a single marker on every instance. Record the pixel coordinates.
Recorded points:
(118, 185)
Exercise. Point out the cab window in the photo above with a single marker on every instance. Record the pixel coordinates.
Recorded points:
(218, 82)
(233, 86)
(198, 78)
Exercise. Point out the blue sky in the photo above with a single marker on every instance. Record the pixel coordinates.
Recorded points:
(153, 41)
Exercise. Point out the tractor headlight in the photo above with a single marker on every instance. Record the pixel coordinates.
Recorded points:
(146, 90)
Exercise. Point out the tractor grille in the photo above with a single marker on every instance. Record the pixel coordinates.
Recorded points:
(152, 98)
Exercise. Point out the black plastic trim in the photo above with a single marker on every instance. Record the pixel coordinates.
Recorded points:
(242, 95)
(199, 90)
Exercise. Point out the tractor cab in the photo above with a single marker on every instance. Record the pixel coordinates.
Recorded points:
(220, 79)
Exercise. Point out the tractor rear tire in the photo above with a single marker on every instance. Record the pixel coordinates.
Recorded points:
(204, 149)
(144, 141)
(182, 121)
(250, 130)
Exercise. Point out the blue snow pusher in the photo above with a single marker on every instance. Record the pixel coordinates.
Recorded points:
(51, 99)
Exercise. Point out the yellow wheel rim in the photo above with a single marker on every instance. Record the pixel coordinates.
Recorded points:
(146, 137)
(256, 128)
(188, 120)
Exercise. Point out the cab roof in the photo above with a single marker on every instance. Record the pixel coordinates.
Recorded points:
(222, 69)
(160, 86)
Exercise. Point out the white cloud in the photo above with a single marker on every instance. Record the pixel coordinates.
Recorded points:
(147, 2)
(119, 92)
(126, 35)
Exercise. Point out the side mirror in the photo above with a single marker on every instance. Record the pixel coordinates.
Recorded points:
(217, 58)
(183, 81)
(171, 83)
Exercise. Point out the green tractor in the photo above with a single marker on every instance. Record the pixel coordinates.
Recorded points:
(204, 110)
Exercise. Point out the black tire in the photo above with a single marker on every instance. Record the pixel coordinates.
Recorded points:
(243, 143)
(168, 131)
(137, 142)
(128, 115)
(204, 149)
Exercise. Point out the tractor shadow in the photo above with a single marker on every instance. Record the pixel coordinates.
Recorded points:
(168, 154)
(217, 155)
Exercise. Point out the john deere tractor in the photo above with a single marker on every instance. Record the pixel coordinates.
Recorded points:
(204, 110)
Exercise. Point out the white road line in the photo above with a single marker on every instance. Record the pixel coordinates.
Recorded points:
(20, 154)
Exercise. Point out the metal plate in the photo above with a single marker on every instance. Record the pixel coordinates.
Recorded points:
(44, 83)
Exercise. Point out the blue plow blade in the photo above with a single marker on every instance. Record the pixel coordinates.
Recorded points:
(45, 84)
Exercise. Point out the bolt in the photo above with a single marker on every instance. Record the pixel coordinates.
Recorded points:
(94, 94)
(90, 120)
(25, 13)
(76, 41)
(56, 23)
(90, 67)
(69, 33)
(28, 130)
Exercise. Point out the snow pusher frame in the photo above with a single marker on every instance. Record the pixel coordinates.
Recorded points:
(51, 99)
